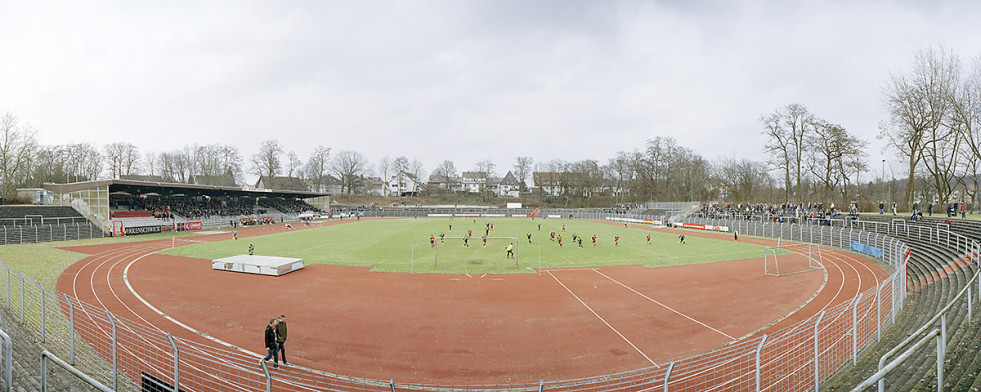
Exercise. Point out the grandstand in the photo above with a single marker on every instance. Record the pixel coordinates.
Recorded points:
(118, 205)
(29, 224)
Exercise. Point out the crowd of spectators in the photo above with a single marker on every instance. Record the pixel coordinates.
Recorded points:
(288, 205)
(787, 212)
(171, 207)
(203, 207)
(623, 208)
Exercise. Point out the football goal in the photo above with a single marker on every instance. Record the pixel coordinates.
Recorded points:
(466, 253)
(792, 259)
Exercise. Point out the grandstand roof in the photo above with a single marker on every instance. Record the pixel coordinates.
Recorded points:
(171, 189)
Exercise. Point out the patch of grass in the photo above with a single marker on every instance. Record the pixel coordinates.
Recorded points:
(403, 245)
(42, 262)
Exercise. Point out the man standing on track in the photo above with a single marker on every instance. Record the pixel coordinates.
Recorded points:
(281, 337)
(270, 337)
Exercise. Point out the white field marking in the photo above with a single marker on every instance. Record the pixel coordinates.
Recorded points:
(570, 269)
(665, 306)
(567, 259)
(454, 278)
(383, 260)
(497, 278)
(468, 275)
(483, 275)
(603, 320)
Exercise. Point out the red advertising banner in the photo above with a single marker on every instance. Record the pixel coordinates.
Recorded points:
(192, 226)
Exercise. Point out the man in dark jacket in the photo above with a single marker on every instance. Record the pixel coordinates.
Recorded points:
(281, 337)
(271, 343)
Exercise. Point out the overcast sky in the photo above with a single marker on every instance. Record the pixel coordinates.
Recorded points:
(460, 80)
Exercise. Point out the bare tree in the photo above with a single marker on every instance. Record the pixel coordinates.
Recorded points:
(400, 169)
(293, 162)
(918, 103)
(522, 168)
(317, 167)
(385, 170)
(150, 163)
(618, 172)
(349, 167)
(787, 129)
(741, 180)
(267, 161)
(486, 168)
(445, 173)
(122, 158)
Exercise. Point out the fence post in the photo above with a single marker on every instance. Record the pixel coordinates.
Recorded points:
(8, 360)
(941, 350)
(115, 368)
(817, 353)
(855, 329)
(21, 296)
(878, 311)
(969, 318)
(8, 282)
(40, 291)
(759, 349)
(391, 385)
(541, 385)
(177, 356)
(667, 376)
(71, 328)
(265, 371)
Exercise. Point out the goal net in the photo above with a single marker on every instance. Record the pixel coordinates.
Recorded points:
(792, 259)
(473, 254)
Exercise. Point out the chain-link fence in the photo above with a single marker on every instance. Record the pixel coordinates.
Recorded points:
(125, 353)
(25, 234)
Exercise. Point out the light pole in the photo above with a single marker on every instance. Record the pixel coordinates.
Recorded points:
(883, 178)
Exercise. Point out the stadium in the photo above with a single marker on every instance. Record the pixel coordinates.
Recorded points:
(783, 306)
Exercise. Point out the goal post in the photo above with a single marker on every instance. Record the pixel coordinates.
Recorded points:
(790, 259)
(472, 250)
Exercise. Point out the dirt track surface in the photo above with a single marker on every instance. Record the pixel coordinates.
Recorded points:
(460, 329)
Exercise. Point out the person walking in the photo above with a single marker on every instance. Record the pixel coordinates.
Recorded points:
(270, 336)
(281, 337)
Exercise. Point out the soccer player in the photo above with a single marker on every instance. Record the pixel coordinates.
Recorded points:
(529, 237)
(451, 227)
(485, 241)
(510, 249)
(580, 242)
(466, 241)
(560, 241)
(594, 239)
(539, 227)
(551, 235)
(648, 239)
(487, 231)
(432, 240)
(681, 238)
(469, 232)
(616, 240)
(441, 235)
(563, 228)
(574, 237)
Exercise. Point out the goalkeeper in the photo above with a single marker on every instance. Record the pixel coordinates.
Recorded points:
(510, 250)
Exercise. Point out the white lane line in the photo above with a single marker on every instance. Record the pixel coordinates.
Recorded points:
(603, 320)
(666, 306)
(567, 259)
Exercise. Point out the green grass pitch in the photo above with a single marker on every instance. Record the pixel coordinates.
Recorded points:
(402, 245)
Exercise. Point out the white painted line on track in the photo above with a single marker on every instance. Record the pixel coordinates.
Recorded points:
(603, 320)
(665, 306)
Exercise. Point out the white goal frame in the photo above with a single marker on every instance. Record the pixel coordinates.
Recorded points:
(473, 240)
(815, 260)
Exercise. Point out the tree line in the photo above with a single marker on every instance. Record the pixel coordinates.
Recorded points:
(933, 110)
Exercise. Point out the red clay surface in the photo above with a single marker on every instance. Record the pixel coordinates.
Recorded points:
(459, 329)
